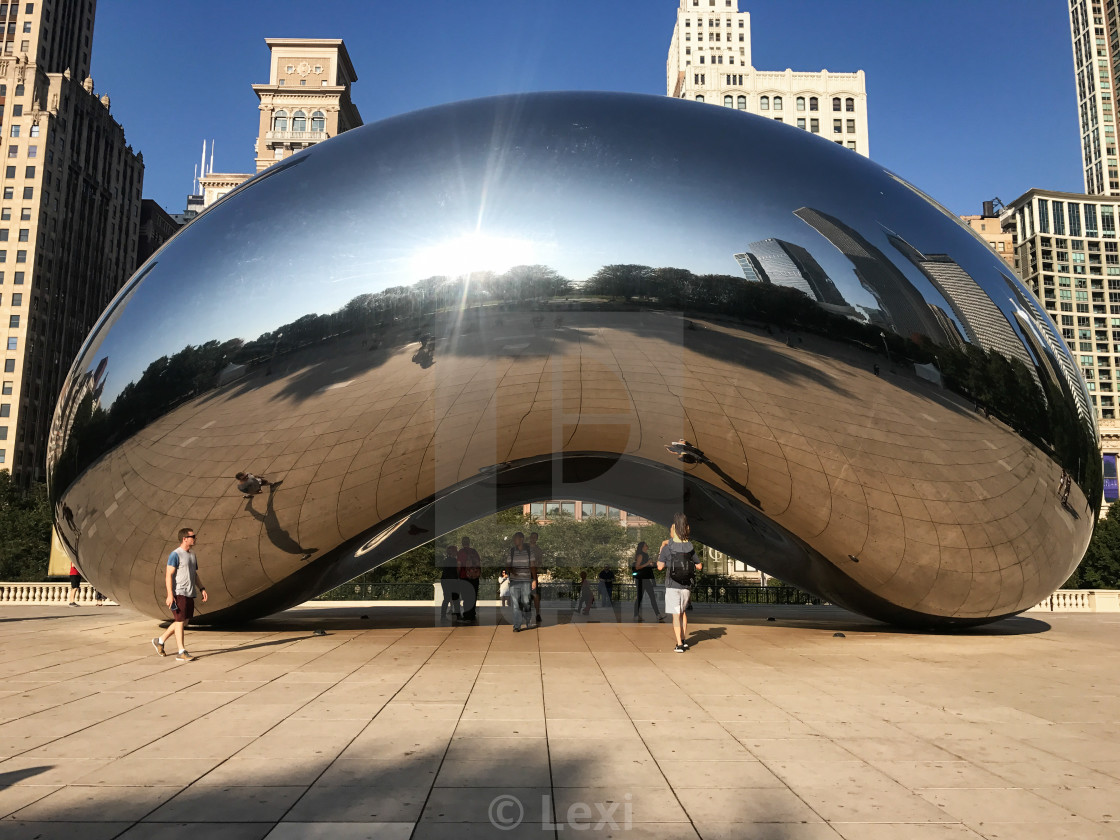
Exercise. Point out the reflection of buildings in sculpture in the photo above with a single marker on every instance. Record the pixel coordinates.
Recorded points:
(752, 269)
(1039, 332)
(983, 323)
(902, 303)
(709, 60)
(956, 340)
(787, 264)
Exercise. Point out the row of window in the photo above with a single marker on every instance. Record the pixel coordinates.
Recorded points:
(560, 508)
(712, 3)
(29, 9)
(778, 104)
(291, 68)
(299, 121)
(712, 22)
(16, 299)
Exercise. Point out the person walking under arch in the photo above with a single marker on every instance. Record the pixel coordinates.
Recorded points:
(644, 582)
(678, 558)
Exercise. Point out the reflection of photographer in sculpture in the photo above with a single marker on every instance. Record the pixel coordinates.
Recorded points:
(522, 581)
(679, 558)
(586, 598)
(250, 484)
(686, 452)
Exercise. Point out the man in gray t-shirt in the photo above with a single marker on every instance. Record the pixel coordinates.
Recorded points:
(183, 586)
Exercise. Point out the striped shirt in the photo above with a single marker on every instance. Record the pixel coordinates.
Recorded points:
(520, 562)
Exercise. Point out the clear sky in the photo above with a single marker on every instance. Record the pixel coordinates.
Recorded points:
(967, 100)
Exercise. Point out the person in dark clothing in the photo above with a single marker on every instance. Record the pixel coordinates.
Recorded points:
(470, 570)
(643, 580)
(449, 580)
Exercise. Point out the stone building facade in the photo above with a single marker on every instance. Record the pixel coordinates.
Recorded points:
(69, 215)
(710, 61)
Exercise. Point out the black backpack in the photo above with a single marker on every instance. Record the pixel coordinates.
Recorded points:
(682, 566)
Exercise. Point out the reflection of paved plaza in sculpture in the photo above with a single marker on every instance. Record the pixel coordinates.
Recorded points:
(825, 449)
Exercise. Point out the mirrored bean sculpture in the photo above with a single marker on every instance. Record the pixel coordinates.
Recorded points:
(636, 301)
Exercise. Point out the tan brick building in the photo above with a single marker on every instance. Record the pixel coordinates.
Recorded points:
(69, 215)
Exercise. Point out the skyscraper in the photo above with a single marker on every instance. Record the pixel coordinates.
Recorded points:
(710, 61)
(787, 264)
(901, 304)
(1096, 65)
(69, 215)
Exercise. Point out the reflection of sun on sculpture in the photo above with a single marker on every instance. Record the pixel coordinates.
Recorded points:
(631, 363)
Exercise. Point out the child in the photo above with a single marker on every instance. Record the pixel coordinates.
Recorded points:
(503, 588)
(586, 599)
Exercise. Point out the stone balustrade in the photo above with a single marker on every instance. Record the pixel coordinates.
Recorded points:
(38, 594)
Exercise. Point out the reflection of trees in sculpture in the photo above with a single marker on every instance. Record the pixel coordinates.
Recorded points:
(1004, 386)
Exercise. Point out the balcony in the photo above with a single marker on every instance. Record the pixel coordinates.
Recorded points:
(300, 136)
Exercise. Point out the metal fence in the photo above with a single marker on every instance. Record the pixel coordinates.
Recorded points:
(568, 592)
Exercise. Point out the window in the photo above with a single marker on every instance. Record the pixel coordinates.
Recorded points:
(741, 103)
(568, 508)
(15, 131)
(28, 192)
(19, 90)
(764, 103)
(35, 130)
(851, 126)
(836, 103)
(849, 104)
(777, 103)
(4, 235)
(18, 278)
(23, 234)
(303, 81)
(318, 68)
(13, 322)
(318, 121)
(813, 103)
(17, 299)
(728, 100)
(280, 82)
(24, 214)
(800, 122)
(815, 126)
(17, 110)
(536, 510)
(299, 121)
(29, 172)
(801, 103)
(9, 366)
(21, 256)
(837, 127)
(699, 97)
(280, 121)
(13, 344)
(32, 151)
(13, 151)
(852, 145)
(6, 213)
(289, 69)
(10, 172)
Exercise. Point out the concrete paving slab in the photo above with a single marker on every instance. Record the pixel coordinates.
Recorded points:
(393, 727)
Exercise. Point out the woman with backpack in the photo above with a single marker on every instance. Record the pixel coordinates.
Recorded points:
(678, 558)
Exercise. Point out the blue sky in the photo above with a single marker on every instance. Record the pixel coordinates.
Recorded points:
(967, 100)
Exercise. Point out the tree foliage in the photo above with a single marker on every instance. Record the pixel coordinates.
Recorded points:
(25, 531)
(1100, 568)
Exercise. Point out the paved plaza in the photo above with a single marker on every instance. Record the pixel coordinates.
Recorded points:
(368, 722)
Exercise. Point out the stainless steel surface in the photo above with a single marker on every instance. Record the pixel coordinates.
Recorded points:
(522, 298)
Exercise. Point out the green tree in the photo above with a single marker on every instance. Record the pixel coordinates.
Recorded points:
(1100, 568)
(570, 546)
(25, 526)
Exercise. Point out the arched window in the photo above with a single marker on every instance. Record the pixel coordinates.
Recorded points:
(699, 97)
(318, 121)
(764, 103)
(299, 121)
(801, 103)
(777, 103)
(728, 100)
(836, 103)
(814, 104)
(280, 121)
(849, 104)
(741, 103)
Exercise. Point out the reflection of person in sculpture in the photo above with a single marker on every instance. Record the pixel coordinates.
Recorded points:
(686, 452)
(250, 484)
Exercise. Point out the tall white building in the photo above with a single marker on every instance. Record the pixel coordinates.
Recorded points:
(1096, 65)
(710, 61)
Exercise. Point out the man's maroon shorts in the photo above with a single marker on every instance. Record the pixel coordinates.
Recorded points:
(186, 609)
